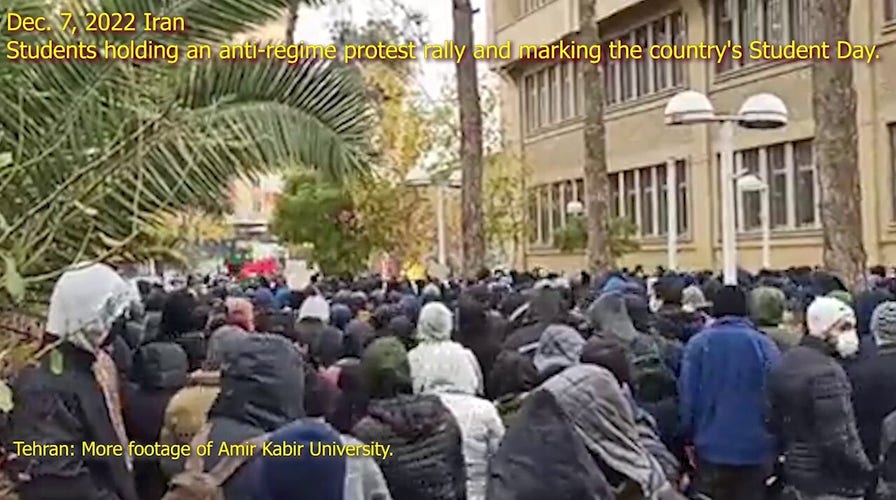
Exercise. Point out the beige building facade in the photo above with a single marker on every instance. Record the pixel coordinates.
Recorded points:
(542, 108)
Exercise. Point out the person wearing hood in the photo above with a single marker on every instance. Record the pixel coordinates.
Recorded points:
(358, 335)
(672, 320)
(865, 304)
(513, 376)
(261, 390)
(654, 369)
(187, 411)
(874, 383)
(160, 370)
(611, 354)
(340, 315)
(313, 316)
(559, 348)
(71, 396)
(767, 311)
(586, 446)
(810, 408)
(426, 459)
(478, 331)
(402, 328)
(438, 360)
(305, 477)
(481, 429)
(543, 309)
(721, 390)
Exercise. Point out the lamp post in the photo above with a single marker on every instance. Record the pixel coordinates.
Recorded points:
(760, 111)
(671, 215)
(752, 184)
(419, 177)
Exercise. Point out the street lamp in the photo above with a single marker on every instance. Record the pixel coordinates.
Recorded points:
(575, 208)
(752, 184)
(419, 177)
(761, 111)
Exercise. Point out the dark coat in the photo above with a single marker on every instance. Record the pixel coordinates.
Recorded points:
(544, 309)
(811, 414)
(541, 457)
(426, 459)
(261, 391)
(160, 370)
(66, 409)
(874, 397)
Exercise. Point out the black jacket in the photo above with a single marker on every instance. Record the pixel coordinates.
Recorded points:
(811, 414)
(66, 409)
(426, 459)
(874, 396)
(261, 391)
(160, 369)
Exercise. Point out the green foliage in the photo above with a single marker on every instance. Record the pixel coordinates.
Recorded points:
(321, 213)
(573, 237)
(96, 153)
(504, 203)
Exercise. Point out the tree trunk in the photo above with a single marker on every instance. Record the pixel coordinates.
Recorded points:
(473, 256)
(836, 148)
(597, 192)
(292, 17)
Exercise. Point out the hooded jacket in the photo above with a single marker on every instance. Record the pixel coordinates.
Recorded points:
(544, 308)
(427, 459)
(438, 360)
(262, 389)
(64, 402)
(767, 311)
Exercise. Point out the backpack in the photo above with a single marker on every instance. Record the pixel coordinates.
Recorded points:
(653, 379)
(194, 483)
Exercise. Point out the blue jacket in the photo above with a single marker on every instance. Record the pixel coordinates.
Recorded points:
(722, 392)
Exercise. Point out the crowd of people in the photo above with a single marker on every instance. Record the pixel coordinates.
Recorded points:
(513, 386)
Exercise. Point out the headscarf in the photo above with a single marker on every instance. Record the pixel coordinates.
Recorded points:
(85, 303)
(240, 313)
(435, 323)
(609, 317)
(559, 347)
(315, 307)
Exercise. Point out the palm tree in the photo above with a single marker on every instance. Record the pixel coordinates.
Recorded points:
(92, 154)
(836, 148)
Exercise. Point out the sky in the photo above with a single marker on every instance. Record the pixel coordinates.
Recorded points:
(314, 24)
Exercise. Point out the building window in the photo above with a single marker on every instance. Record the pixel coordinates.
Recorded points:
(889, 10)
(566, 91)
(631, 196)
(750, 215)
(532, 5)
(789, 171)
(580, 87)
(557, 208)
(531, 103)
(646, 181)
(662, 200)
(532, 225)
(745, 21)
(580, 190)
(567, 197)
(552, 95)
(891, 128)
(615, 195)
(683, 180)
(642, 195)
(804, 174)
(777, 174)
(630, 79)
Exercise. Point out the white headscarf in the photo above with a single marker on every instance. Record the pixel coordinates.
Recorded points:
(85, 303)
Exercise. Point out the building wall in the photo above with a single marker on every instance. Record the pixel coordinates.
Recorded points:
(637, 138)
